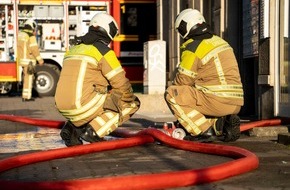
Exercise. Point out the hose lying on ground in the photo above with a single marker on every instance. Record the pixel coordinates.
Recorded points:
(243, 160)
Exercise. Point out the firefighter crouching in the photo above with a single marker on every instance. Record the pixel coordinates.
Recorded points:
(82, 95)
(207, 92)
(27, 56)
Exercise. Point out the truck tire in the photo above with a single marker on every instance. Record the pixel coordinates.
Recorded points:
(5, 87)
(46, 79)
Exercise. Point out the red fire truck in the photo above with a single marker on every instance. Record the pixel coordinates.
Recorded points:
(60, 20)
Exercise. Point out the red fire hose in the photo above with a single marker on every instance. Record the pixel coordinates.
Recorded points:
(244, 161)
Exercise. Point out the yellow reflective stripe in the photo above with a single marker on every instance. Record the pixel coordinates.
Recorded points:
(109, 114)
(88, 59)
(215, 51)
(126, 111)
(30, 82)
(24, 37)
(112, 59)
(26, 61)
(95, 102)
(26, 93)
(201, 121)
(107, 126)
(89, 112)
(80, 82)
(224, 94)
(187, 72)
(100, 121)
(113, 73)
(222, 87)
(219, 69)
(229, 94)
(191, 125)
(193, 113)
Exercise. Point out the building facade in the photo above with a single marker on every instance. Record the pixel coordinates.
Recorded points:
(258, 31)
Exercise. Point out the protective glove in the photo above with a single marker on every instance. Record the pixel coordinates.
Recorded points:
(110, 104)
(128, 97)
(31, 68)
(123, 101)
(133, 106)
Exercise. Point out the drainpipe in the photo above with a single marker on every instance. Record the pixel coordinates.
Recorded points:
(276, 60)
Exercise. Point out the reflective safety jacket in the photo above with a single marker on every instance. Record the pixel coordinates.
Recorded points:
(210, 66)
(87, 72)
(27, 49)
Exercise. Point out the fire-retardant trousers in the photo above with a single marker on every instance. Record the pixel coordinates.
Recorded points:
(195, 110)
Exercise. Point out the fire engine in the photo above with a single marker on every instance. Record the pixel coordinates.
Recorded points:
(58, 21)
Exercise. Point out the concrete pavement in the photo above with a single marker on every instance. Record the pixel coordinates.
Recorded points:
(19, 138)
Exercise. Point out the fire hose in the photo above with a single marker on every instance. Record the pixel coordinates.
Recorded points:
(243, 160)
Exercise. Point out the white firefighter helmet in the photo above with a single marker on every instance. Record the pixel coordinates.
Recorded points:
(188, 20)
(31, 23)
(106, 22)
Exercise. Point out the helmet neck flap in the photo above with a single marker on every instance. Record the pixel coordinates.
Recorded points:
(96, 34)
(200, 32)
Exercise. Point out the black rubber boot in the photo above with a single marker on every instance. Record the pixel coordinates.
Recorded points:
(201, 138)
(231, 128)
(207, 136)
(89, 134)
(70, 134)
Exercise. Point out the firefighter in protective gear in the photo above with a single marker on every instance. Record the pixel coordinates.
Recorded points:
(27, 56)
(207, 93)
(90, 69)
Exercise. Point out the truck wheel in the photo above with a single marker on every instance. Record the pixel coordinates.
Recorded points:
(5, 87)
(46, 79)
